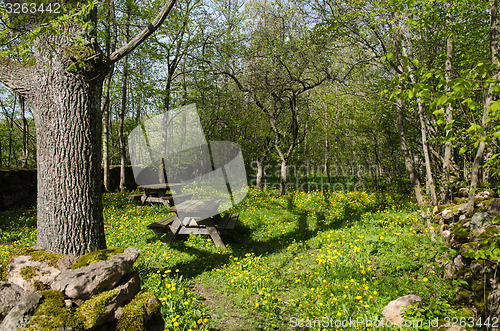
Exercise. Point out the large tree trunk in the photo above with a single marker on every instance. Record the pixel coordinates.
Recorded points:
(68, 124)
(64, 90)
(494, 26)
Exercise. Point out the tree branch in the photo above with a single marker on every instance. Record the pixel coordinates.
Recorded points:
(139, 38)
(14, 75)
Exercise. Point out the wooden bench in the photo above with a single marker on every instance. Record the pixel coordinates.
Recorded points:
(163, 225)
(135, 196)
(227, 223)
(178, 197)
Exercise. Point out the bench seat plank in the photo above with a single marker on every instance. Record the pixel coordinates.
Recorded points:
(163, 225)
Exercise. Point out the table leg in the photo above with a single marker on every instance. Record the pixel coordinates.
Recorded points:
(174, 228)
(214, 234)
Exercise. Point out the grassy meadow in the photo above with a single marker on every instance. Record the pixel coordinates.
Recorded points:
(318, 257)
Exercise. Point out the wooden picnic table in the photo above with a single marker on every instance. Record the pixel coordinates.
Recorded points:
(193, 221)
(192, 211)
(158, 193)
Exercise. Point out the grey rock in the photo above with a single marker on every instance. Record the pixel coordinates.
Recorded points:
(392, 312)
(493, 305)
(20, 315)
(10, 295)
(483, 195)
(445, 234)
(459, 262)
(66, 262)
(100, 276)
(447, 214)
(463, 192)
(480, 221)
(494, 208)
(449, 269)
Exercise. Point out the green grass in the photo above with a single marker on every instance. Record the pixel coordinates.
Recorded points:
(305, 256)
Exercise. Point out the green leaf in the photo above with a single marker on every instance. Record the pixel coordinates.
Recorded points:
(442, 100)
(462, 150)
(470, 103)
(495, 106)
(72, 67)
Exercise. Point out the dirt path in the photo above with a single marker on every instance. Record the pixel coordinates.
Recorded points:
(222, 310)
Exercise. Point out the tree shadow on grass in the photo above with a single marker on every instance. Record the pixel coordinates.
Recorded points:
(242, 242)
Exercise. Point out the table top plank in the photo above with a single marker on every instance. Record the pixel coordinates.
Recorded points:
(160, 186)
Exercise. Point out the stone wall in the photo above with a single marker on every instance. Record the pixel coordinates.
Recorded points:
(18, 186)
(473, 260)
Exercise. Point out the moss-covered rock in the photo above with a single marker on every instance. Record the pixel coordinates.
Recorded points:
(136, 313)
(459, 201)
(91, 310)
(52, 314)
(37, 255)
(102, 255)
(29, 272)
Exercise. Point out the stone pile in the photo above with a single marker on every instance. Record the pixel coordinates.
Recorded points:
(474, 239)
(95, 292)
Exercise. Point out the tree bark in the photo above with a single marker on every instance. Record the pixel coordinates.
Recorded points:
(494, 26)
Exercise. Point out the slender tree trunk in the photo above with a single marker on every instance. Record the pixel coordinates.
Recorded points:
(105, 105)
(445, 185)
(123, 108)
(327, 145)
(403, 144)
(283, 176)
(260, 175)
(121, 135)
(22, 106)
(428, 169)
(494, 26)
(105, 110)
(429, 179)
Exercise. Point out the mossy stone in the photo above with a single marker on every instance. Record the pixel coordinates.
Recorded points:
(133, 315)
(52, 314)
(92, 257)
(459, 201)
(28, 272)
(37, 255)
(90, 311)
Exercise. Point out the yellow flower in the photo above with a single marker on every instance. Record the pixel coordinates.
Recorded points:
(425, 279)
